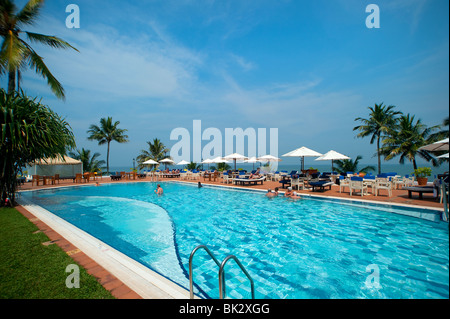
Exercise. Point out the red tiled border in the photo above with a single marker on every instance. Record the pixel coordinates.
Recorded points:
(117, 288)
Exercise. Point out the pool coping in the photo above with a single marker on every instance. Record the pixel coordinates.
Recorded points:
(142, 280)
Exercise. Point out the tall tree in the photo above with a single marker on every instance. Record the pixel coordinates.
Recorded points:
(405, 140)
(349, 165)
(106, 133)
(381, 119)
(29, 131)
(156, 151)
(90, 163)
(16, 53)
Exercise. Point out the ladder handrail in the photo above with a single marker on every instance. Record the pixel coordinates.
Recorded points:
(191, 277)
(222, 278)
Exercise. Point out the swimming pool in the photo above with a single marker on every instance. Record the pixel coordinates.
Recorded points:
(309, 248)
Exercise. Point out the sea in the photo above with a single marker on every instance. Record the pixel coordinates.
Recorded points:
(386, 167)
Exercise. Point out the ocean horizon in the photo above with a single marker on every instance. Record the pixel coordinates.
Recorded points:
(405, 169)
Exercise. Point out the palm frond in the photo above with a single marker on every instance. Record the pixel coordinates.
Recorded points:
(29, 12)
(38, 64)
(49, 40)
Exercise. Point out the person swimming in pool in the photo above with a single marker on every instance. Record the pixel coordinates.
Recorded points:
(270, 193)
(289, 193)
(159, 190)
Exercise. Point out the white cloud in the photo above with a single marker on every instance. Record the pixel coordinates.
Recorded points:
(118, 65)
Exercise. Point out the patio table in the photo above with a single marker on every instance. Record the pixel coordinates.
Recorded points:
(419, 189)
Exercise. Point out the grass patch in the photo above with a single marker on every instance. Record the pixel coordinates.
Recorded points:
(30, 270)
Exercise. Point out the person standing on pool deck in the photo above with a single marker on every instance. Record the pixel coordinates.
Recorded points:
(159, 190)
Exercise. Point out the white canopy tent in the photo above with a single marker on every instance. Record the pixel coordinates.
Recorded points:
(65, 166)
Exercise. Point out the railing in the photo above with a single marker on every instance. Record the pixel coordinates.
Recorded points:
(222, 287)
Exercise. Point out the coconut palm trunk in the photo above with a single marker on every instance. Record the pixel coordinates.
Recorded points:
(105, 133)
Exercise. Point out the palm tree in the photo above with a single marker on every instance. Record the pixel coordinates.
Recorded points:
(406, 139)
(443, 133)
(156, 151)
(30, 131)
(106, 133)
(348, 165)
(90, 163)
(381, 119)
(16, 54)
(193, 165)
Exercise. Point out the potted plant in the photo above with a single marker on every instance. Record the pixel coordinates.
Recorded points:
(422, 174)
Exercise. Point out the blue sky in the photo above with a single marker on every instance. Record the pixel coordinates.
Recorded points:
(308, 68)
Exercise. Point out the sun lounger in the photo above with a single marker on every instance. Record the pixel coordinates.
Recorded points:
(320, 184)
(249, 181)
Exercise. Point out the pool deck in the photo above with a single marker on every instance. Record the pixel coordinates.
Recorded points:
(116, 284)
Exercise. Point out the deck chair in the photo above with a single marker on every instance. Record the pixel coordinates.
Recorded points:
(383, 183)
(357, 184)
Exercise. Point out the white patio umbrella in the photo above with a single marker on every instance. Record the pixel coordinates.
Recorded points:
(167, 161)
(332, 155)
(183, 162)
(219, 159)
(235, 157)
(441, 145)
(252, 160)
(207, 161)
(302, 152)
(150, 162)
(269, 158)
(443, 156)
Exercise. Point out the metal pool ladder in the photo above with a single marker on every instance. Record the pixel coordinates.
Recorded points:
(221, 272)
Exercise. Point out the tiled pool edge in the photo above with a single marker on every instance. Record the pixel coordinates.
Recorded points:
(143, 281)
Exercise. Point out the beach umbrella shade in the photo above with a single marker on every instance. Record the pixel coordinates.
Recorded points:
(332, 156)
(443, 156)
(441, 145)
(219, 159)
(302, 152)
(207, 161)
(269, 158)
(252, 160)
(235, 157)
(167, 161)
(183, 162)
(150, 162)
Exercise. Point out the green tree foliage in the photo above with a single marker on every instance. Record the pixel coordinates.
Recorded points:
(349, 165)
(90, 163)
(156, 151)
(29, 131)
(406, 138)
(106, 133)
(17, 54)
(381, 120)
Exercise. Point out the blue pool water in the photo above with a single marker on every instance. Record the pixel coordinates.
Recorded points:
(309, 248)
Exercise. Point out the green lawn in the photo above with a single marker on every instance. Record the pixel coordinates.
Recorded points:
(30, 270)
